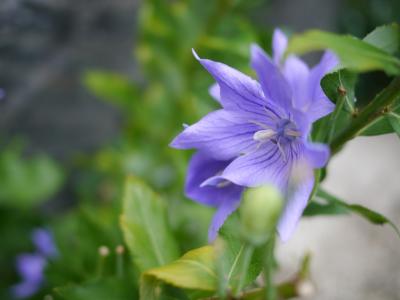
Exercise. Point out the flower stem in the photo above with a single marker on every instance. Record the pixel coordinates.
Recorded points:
(119, 261)
(103, 253)
(338, 108)
(270, 292)
(244, 268)
(375, 109)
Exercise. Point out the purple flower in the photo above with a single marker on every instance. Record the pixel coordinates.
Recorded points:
(43, 240)
(30, 267)
(261, 133)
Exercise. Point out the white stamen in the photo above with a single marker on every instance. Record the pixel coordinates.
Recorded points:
(264, 135)
(291, 132)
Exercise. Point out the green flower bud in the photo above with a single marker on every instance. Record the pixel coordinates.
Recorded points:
(259, 213)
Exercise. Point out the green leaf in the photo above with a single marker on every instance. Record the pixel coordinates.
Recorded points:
(287, 289)
(150, 288)
(339, 87)
(209, 268)
(145, 227)
(338, 84)
(381, 125)
(230, 255)
(112, 87)
(195, 270)
(316, 209)
(394, 120)
(153, 289)
(370, 215)
(386, 37)
(27, 182)
(378, 127)
(354, 54)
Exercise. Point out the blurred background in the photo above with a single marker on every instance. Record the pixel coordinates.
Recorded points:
(93, 90)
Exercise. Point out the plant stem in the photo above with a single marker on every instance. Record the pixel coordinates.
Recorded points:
(244, 268)
(338, 108)
(120, 265)
(270, 292)
(375, 109)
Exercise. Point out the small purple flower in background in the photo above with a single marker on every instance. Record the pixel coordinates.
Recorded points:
(43, 240)
(260, 136)
(30, 266)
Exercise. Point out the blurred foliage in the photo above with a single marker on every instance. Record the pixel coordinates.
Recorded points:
(80, 269)
(358, 17)
(27, 181)
(103, 289)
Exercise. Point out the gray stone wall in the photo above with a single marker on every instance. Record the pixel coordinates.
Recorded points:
(45, 45)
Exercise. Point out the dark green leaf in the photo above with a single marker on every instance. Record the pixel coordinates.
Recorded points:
(315, 209)
(354, 54)
(370, 215)
(145, 227)
(394, 120)
(386, 37)
(340, 84)
(378, 127)
(381, 125)
(339, 87)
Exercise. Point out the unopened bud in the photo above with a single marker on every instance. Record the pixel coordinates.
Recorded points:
(260, 212)
(305, 288)
(104, 251)
(120, 249)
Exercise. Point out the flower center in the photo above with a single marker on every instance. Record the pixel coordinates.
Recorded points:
(283, 133)
(286, 131)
